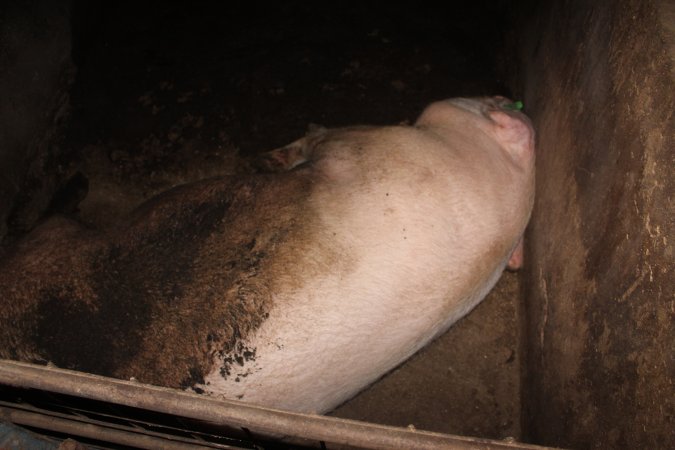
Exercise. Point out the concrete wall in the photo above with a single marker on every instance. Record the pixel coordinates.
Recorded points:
(35, 76)
(597, 79)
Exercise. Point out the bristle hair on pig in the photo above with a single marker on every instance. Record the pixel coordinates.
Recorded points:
(293, 288)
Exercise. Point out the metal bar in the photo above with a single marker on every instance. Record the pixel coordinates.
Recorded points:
(8, 411)
(97, 432)
(133, 424)
(270, 422)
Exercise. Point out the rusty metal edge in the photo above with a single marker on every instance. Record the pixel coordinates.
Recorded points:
(101, 433)
(275, 423)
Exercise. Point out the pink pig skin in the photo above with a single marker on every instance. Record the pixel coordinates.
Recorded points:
(295, 288)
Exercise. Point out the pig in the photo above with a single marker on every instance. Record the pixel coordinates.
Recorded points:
(293, 288)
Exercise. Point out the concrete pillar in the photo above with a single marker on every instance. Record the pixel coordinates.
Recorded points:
(597, 79)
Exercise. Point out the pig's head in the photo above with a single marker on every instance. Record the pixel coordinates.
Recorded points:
(496, 116)
(494, 135)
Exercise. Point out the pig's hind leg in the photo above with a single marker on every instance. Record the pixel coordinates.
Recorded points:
(292, 155)
(284, 158)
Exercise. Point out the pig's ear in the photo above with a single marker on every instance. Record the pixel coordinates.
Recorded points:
(513, 132)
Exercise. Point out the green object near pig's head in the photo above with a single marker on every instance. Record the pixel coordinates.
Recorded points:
(515, 106)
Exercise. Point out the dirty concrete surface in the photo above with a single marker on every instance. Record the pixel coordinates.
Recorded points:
(600, 363)
(166, 94)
